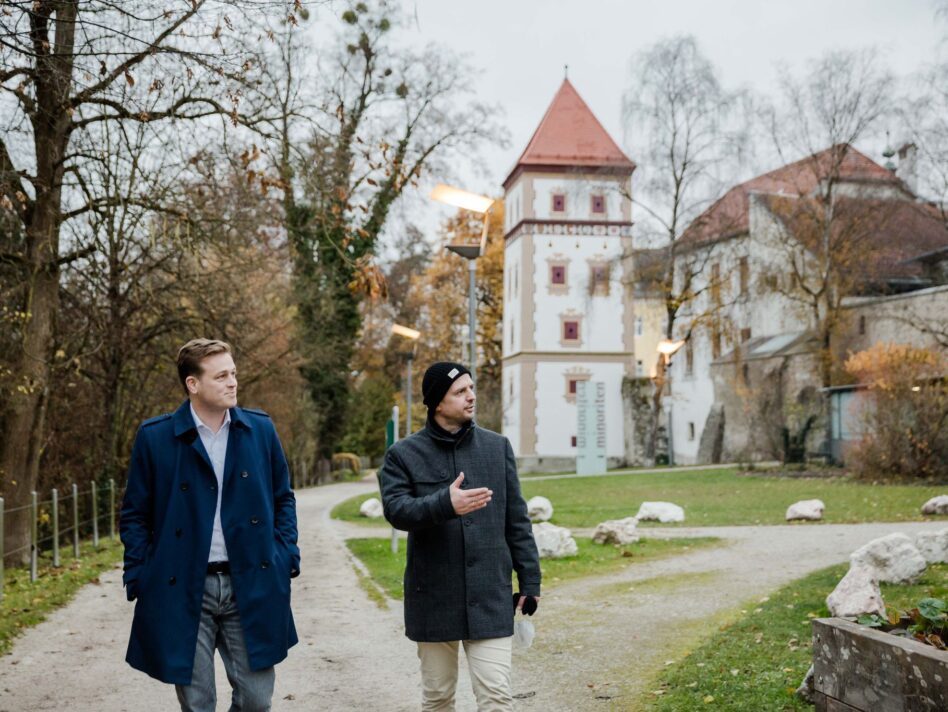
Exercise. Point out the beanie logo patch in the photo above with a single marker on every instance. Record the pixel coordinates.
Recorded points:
(453, 372)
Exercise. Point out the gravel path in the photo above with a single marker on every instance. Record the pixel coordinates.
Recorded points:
(597, 638)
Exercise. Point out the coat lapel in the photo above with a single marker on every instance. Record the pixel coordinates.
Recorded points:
(185, 430)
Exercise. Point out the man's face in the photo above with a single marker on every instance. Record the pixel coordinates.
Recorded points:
(457, 406)
(216, 387)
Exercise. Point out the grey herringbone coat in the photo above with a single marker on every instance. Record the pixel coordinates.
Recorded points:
(458, 572)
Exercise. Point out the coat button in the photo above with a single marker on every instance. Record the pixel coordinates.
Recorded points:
(213, 487)
(244, 474)
(264, 564)
(467, 522)
(172, 581)
(254, 520)
(470, 562)
(185, 486)
(178, 533)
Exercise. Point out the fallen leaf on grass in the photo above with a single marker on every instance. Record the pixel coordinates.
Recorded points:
(708, 699)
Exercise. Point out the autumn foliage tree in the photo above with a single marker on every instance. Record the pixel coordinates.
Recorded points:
(905, 424)
(68, 69)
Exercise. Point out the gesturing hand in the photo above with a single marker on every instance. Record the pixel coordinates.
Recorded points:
(465, 501)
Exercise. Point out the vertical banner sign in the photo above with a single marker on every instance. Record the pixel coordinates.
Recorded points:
(590, 428)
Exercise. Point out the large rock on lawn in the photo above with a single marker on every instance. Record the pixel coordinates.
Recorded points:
(616, 531)
(539, 509)
(809, 509)
(894, 558)
(856, 593)
(936, 505)
(553, 542)
(660, 512)
(371, 508)
(933, 546)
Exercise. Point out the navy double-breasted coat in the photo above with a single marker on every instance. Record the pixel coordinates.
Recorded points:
(166, 523)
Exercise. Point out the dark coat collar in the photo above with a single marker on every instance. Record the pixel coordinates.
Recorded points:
(439, 434)
(183, 422)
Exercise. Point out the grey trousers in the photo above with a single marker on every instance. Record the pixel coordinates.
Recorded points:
(220, 629)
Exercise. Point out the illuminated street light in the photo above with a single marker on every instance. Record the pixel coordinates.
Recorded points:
(412, 335)
(468, 250)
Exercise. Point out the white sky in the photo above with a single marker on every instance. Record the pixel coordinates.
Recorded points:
(520, 46)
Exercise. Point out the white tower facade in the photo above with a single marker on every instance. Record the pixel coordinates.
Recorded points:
(567, 306)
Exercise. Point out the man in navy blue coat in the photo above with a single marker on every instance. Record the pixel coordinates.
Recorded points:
(209, 528)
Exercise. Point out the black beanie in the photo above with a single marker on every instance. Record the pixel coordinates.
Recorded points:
(438, 379)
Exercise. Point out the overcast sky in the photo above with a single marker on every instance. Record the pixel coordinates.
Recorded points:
(520, 47)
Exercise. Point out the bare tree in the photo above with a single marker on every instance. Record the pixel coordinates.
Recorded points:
(837, 200)
(689, 135)
(67, 68)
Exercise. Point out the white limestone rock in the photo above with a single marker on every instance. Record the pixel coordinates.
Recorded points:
(371, 508)
(809, 509)
(936, 505)
(553, 542)
(660, 512)
(894, 558)
(857, 593)
(933, 546)
(539, 509)
(616, 531)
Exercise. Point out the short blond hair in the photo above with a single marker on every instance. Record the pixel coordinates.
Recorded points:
(193, 353)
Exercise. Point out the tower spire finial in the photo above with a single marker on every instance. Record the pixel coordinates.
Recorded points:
(565, 71)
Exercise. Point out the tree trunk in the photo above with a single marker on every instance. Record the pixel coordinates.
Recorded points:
(21, 443)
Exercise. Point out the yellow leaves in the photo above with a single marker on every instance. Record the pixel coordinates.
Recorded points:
(888, 366)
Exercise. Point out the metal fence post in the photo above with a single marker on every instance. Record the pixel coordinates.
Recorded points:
(2, 553)
(95, 516)
(34, 513)
(55, 527)
(75, 521)
(112, 509)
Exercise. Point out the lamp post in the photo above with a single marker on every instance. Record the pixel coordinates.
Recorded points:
(412, 335)
(470, 251)
(668, 348)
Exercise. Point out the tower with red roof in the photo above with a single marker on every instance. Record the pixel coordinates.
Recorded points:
(567, 318)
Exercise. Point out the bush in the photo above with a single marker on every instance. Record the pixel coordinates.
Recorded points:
(905, 419)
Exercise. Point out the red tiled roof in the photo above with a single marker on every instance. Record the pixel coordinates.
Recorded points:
(729, 215)
(570, 135)
(879, 239)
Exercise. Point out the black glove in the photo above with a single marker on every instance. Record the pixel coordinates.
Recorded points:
(529, 605)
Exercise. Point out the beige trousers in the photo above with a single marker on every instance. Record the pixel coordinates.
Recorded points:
(489, 663)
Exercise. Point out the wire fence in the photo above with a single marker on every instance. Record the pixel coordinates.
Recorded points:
(59, 522)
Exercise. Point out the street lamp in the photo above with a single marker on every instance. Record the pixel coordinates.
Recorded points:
(668, 348)
(467, 249)
(412, 335)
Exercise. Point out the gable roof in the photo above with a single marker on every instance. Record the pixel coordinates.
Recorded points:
(729, 215)
(570, 135)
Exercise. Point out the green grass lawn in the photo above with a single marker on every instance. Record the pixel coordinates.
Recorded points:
(386, 568)
(25, 603)
(757, 662)
(722, 497)
(710, 498)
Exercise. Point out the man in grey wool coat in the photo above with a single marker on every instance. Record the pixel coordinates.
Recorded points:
(453, 487)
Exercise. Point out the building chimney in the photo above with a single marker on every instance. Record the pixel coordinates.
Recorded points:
(907, 171)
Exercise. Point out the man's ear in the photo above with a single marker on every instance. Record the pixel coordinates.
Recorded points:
(191, 383)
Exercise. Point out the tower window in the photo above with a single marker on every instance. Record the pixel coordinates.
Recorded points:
(570, 331)
(599, 279)
(598, 204)
(744, 275)
(689, 359)
(559, 203)
(558, 274)
(862, 325)
(572, 441)
(691, 431)
(638, 326)
(745, 334)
